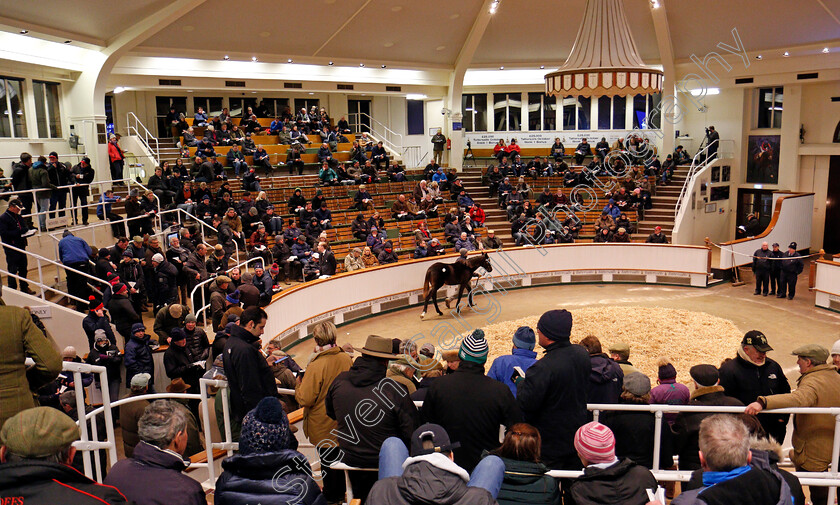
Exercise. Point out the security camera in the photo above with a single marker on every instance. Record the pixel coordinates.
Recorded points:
(444, 111)
(703, 109)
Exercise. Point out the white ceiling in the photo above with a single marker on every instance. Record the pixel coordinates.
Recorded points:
(407, 34)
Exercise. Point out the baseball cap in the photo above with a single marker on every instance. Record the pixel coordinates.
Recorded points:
(435, 434)
(756, 339)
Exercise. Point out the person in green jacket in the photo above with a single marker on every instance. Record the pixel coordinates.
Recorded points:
(40, 179)
(525, 480)
(21, 339)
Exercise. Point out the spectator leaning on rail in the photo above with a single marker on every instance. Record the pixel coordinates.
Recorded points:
(153, 473)
(606, 480)
(326, 364)
(36, 458)
(728, 475)
(669, 391)
(522, 355)
(553, 394)
(470, 405)
(365, 384)
(13, 232)
(813, 434)
(752, 374)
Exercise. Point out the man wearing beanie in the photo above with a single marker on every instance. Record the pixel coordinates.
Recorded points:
(522, 355)
(669, 391)
(553, 395)
(707, 392)
(122, 311)
(365, 388)
(606, 479)
(96, 319)
(752, 374)
(138, 356)
(36, 457)
(266, 445)
(469, 405)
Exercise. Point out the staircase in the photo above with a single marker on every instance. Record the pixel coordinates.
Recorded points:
(496, 218)
(168, 151)
(664, 201)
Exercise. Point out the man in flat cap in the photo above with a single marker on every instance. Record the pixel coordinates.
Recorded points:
(813, 434)
(36, 455)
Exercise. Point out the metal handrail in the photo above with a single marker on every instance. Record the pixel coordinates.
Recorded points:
(44, 287)
(697, 167)
(146, 137)
(205, 306)
(398, 148)
(411, 156)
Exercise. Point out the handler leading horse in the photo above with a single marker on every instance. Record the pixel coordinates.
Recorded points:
(459, 274)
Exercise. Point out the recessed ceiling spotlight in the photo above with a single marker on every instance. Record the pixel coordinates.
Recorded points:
(786, 54)
(290, 60)
(331, 63)
(361, 64)
(226, 58)
(826, 50)
(253, 58)
(654, 4)
(388, 44)
(758, 56)
(383, 66)
(494, 6)
(24, 32)
(501, 68)
(311, 93)
(542, 67)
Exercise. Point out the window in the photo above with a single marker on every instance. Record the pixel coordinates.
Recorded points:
(475, 112)
(277, 106)
(305, 103)
(212, 106)
(654, 113)
(162, 105)
(604, 112)
(12, 119)
(770, 107)
(619, 112)
(238, 106)
(584, 110)
(541, 112)
(569, 113)
(645, 111)
(507, 111)
(46, 109)
(414, 116)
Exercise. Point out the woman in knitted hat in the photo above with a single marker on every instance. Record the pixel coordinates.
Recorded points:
(268, 469)
(606, 479)
(469, 405)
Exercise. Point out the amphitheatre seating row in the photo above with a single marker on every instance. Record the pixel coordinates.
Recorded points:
(277, 153)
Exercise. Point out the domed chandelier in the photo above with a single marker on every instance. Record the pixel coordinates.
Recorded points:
(604, 60)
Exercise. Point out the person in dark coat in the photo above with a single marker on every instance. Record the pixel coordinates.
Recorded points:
(36, 457)
(165, 289)
(791, 267)
(552, 395)
(122, 311)
(179, 361)
(266, 445)
(761, 267)
(104, 353)
(525, 480)
(138, 356)
(153, 473)
(606, 480)
(430, 475)
(249, 295)
(13, 232)
(249, 377)
(365, 383)
(606, 378)
(96, 319)
(469, 405)
(197, 341)
(686, 428)
(752, 374)
(635, 430)
(775, 268)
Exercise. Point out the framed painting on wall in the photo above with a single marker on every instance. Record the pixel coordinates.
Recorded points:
(763, 159)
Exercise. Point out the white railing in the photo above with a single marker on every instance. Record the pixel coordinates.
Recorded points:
(700, 162)
(204, 307)
(137, 128)
(411, 156)
(391, 139)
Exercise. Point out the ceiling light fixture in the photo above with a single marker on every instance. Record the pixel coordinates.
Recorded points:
(253, 58)
(758, 56)
(542, 67)
(494, 6)
(118, 90)
(24, 32)
(415, 96)
(226, 57)
(383, 66)
(826, 50)
(786, 54)
(331, 63)
(290, 60)
(361, 64)
(654, 4)
(311, 93)
(501, 68)
(68, 41)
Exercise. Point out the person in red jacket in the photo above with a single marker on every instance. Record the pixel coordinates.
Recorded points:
(477, 214)
(116, 157)
(513, 148)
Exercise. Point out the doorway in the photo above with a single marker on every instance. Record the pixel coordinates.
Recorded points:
(162, 106)
(755, 200)
(359, 114)
(831, 239)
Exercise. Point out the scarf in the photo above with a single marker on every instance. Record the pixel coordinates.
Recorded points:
(712, 478)
(322, 348)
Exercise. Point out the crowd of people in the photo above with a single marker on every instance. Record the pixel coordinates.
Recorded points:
(359, 409)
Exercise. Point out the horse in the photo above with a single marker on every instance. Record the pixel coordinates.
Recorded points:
(453, 274)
